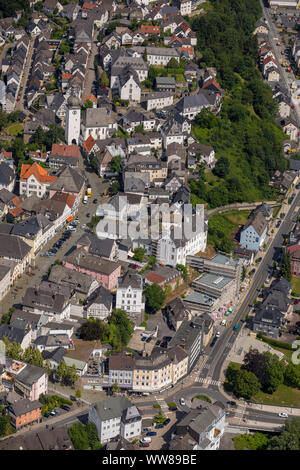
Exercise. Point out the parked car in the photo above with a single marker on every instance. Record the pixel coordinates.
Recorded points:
(182, 401)
(148, 339)
(159, 426)
(146, 430)
(144, 338)
(218, 334)
(52, 413)
(146, 439)
(65, 407)
(72, 398)
(283, 415)
(231, 403)
(223, 322)
(158, 342)
(172, 408)
(144, 444)
(133, 266)
(151, 433)
(213, 341)
(278, 224)
(167, 421)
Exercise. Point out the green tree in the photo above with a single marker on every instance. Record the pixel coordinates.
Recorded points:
(91, 331)
(115, 387)
(104, 79)
(246, 384)
(88, 104)
(289, 439)
(285, 270)
(155, 298)
(222, 167)
(139, 254)
(78, 436)
(184, 271)
(115, 164)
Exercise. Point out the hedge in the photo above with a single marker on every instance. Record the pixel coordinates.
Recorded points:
(278, 344)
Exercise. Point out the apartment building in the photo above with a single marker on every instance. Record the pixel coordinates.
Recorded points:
(114, 417)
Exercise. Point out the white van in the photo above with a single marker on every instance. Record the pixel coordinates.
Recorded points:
(146, 439)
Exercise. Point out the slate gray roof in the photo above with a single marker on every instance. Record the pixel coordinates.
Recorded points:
(69, 180)
(96, 246)
(83, 259)
(22, 407)
(30, 374)
(130, 279)
(100, 296)
(7, 174)
(56, 355)
(12, 333)
(13, 247)
(46, 301)
(61, 275)
(31, 227)
(203, 98)
(112, 408)
(271, 315)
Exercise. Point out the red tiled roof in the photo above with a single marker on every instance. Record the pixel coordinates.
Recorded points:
(149, 29)
(88, 6)
(16, 211)
(16, 201)
(89, 143)
(6, 154)
(65, 150)
(67, 198)
(155, 278)
(66, 76)
(39, 172)
(90, 97)
(214, 82)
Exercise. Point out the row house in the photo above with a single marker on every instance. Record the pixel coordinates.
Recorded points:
(157, 100)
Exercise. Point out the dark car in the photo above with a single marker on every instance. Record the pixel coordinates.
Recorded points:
(88, 214)
(213, 341)
(158, 342)
(72, 398)
(151, 433)
(278, 224)
(65, 407)
(172, 408)
(159, 426)
(167, 421)
(167, 338)
(164, 344)
(95, 201)
(148, 339)
(46, 415)
(231, 403)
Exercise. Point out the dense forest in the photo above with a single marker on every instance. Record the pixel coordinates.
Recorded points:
(9, 8)
(245, 136)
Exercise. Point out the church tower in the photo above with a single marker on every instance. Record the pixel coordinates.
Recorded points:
(73, 120)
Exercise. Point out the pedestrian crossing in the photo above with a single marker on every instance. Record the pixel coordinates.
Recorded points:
(208, 381)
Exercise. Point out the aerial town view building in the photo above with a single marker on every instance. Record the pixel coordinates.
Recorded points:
(150, 225)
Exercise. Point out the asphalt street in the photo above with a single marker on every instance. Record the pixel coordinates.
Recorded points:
(219, 354)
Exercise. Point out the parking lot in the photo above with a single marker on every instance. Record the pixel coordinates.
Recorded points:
(163, 435)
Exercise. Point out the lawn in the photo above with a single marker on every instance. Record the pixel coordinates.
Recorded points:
(226, 222)
(283, 396)
(237, 217)
(14, 129)
(296, 285)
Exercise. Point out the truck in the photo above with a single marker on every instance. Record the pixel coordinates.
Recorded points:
(85, 199)
(89, 191)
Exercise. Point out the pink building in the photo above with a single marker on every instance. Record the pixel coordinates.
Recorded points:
(28, 380)
(294, 251)
(104, 271)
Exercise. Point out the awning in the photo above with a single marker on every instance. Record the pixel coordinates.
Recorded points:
(69, 218)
